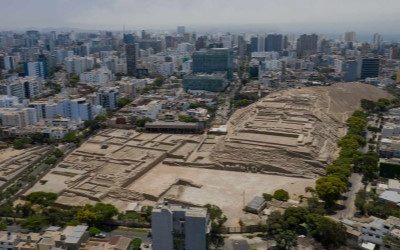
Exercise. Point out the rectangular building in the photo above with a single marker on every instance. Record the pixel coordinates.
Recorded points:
(177, 227)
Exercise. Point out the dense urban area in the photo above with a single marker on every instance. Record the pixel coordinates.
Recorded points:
(185, 140)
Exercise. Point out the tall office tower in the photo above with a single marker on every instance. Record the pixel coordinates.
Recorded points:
(377, 40)
(145, 36)
(369, 67)
(254, 44)
(273, 42)
(180, 30)
(394, 52)
(132, 54)
(285, 42)
(176, 227)
(325, 46)
(10, 63)
(261, 44)
(307, 45)
(170, 42)
(350, 36)
(214, 60)
(129, 39)
(242, 47)
(350, 70)
(32, 38)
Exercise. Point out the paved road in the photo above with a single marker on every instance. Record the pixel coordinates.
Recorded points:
(350, 208)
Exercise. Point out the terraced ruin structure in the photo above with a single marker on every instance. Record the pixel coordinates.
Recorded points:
(285, 140)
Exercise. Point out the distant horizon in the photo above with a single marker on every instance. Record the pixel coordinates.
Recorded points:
(241, 29)
(284, 16)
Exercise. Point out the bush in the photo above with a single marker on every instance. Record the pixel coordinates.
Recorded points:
(281, 195)
(94, 231)
(267, 196)
(42, 198)
(136, 243)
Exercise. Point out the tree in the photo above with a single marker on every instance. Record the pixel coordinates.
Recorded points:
(329, 189)
(72, 137)
(217, 219)
(3, 226)
(58, 153)
(368, 165)
(294, 218)
(187, 118)
(343, 171)
(281, 195)
(158, 82)
(136, 243)
(383, 104)
(368, 105)
(94, 231)
(20, 143)
(44, 199)
(142, 122)
(285, 239)
(35, 222)
(123, 101)
(97, 214)
(330, 233)
(275, 223)
(356, 124)
(361, 201)
(73, 80)
(50, 160)
(267, 197)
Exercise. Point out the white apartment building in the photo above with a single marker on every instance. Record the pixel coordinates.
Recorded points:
(78, 65)
(15, 117)
(150, 110)
(8, 101)
(99, 76)
(22, 87)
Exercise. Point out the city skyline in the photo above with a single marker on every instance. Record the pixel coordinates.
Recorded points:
(271, 15)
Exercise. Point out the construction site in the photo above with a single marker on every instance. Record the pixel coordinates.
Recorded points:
(285, 140)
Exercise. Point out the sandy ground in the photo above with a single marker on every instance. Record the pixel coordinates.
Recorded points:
(9, 152)
(227, 189)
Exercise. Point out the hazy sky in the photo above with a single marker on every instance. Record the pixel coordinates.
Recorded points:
(303, 15)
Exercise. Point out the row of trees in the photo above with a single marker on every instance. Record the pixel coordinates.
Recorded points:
(284, 228)
(39, 211)
(330, 187)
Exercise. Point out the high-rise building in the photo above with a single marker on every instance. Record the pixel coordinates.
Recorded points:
(176, 227)
(350, 70)
(369, 67)
(254, 44)
(132, 54)
(129, 39)
(350, 36)
(377, 40)
(213, 60)
(9, 63)
(273, 42)
(242, 47)
(307, 45)
(180, 30)
(261, 44)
